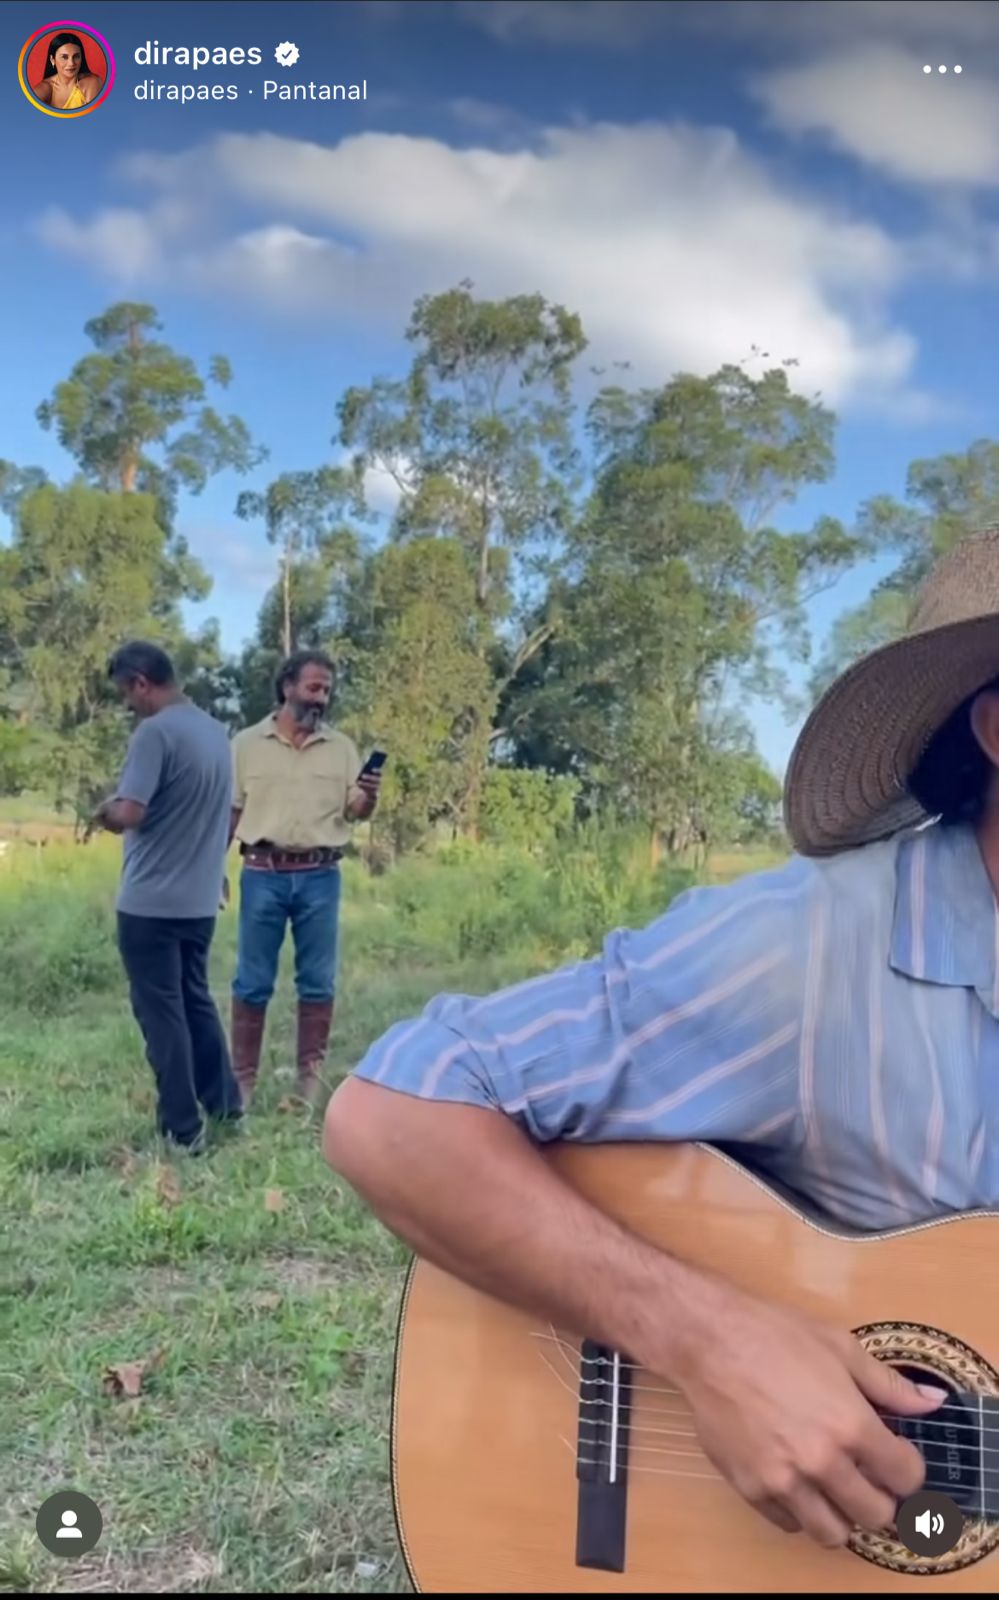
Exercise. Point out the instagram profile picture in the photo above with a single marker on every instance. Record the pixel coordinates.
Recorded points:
(66, 69)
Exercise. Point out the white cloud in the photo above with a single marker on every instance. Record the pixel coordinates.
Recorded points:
(125, 243)
(382, 491)
(877, 105)
(264, 263)
(121, 243)
(673, 243)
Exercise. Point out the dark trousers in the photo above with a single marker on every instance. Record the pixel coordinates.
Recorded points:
(167, 965)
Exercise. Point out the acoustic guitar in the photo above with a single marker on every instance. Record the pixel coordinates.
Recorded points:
(524, 1458)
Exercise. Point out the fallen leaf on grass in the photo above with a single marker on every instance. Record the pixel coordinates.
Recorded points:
(273, 1200)
(168, 1186)
(124, 1381)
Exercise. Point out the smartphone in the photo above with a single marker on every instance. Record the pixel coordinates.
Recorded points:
(374, 763)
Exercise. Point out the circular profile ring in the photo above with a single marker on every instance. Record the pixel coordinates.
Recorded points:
(59, 27)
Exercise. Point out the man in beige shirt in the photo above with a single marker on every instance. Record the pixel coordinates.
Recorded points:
(297, 789)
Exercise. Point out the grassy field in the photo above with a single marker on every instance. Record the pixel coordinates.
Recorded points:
(257, 1295)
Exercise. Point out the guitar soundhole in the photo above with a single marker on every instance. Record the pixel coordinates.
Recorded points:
(956, 1442)
(939, 1380)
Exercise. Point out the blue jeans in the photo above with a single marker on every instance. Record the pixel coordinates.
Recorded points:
(310, 901)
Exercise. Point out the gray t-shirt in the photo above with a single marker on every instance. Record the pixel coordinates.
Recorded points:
(179, 766)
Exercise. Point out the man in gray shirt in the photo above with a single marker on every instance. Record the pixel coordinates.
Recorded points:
(172, 804)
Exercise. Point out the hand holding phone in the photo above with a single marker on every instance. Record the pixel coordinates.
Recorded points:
(374, 764)
(369, 782)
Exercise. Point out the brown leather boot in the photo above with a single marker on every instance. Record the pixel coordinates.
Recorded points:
(315, 1018)
(247, 1042)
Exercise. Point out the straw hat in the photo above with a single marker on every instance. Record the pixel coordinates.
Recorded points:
(846, 781)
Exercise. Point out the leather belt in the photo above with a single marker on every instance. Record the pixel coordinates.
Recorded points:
(273, 859)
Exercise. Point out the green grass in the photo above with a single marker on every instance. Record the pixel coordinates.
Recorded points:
(31, 808)
(256, 1456)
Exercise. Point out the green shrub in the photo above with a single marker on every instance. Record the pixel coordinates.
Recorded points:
(465, 902)
(526, 808)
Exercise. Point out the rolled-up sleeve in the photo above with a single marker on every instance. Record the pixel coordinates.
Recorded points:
(686, 1029)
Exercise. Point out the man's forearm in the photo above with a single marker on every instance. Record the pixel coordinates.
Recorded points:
(466, 1190)
(117, 816)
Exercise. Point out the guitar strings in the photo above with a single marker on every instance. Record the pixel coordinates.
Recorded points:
(976, 1451)
(644, 1469)
(567, 1351)
(634, 1366)
(932, 1482)
(970, 1446)
(661, 1450)
(567, 1346)
(681, 1433)
(974, 1513)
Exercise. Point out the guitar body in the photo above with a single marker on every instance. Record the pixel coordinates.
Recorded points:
(505, 1467)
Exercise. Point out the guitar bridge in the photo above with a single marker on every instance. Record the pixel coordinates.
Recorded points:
(602, 1458)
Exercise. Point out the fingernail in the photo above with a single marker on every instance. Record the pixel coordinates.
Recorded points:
(930, 1393)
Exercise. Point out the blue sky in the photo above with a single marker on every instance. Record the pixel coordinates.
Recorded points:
(692, 179)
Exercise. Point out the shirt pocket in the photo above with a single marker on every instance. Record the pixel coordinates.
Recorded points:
(270, 793)
(331, 793)
(259, 775)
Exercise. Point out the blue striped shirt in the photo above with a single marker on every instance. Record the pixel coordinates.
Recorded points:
(837, 1020)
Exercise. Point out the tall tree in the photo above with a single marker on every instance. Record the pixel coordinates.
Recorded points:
(15, 483)
(323, 591)
(477, 438)
(676, 583)
(304, 516)
(478, 441)
(91, 564)
(80, 574)
(134, 414)
(946, 497)
(423, 687)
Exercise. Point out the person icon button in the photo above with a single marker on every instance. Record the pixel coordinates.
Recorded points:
(69, 1524)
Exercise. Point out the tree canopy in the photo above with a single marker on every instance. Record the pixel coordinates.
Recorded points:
(562, 617)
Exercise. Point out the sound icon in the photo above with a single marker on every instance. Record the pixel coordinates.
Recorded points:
(929, 1523)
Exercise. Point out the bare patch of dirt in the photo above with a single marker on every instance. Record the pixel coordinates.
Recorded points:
(303, 1272)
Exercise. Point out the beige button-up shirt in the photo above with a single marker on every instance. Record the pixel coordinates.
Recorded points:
(294, 796)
